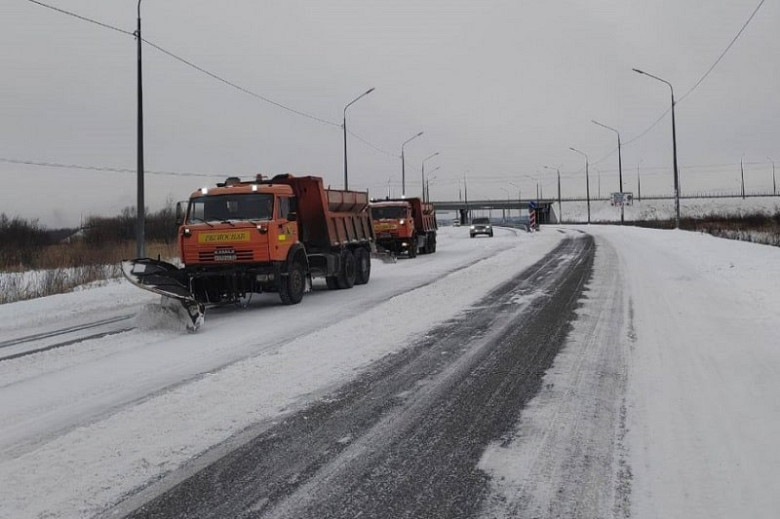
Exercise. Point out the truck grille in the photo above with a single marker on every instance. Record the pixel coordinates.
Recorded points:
(221, 256)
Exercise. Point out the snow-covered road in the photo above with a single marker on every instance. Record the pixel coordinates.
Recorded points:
(677, 333)
(704, 373)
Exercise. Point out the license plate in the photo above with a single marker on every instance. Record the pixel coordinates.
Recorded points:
(225, 255)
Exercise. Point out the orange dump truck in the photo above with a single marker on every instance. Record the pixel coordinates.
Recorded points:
(246, 237)
(405, 225)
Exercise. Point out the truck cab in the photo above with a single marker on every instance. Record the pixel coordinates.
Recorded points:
(392, 219)
(239, 224)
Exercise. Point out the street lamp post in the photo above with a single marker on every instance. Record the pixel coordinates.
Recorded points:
(774, 183)
(422, 181)
(344, 125)
(560, 209)
(403, 164)
(587, 180)
(140, 233)
(674, 150)
(620, 168)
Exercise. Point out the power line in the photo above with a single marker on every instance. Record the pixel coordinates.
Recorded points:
(237, 87)
(189, 63)
(367, 143)
(104, 168)
(724, 52)
(212, 75)
(699, 82)
(263, 98)
(84, 18)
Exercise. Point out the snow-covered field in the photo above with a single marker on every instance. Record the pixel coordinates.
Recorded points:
(694, 337)
(602, 211)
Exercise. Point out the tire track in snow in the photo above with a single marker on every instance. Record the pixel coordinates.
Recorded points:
(566, 457)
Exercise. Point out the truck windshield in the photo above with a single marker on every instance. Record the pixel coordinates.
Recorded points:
(390, 211)
(220, 208)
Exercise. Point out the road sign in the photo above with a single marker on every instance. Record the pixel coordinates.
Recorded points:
(621, 199)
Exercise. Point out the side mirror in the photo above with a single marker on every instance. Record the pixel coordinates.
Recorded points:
(179, 213)
(292, 217)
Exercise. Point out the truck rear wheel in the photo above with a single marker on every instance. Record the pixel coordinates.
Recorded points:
(346, 276)
(292, 286)
(363, 262)
(428, 243)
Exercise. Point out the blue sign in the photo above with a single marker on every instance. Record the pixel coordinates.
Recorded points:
(531, 205)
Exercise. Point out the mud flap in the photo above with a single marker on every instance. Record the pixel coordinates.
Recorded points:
(168, 281)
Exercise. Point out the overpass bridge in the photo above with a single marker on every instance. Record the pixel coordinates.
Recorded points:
(547, 208)
(545, 213)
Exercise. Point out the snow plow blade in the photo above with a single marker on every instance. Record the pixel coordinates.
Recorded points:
(384, 255)
(168, 281)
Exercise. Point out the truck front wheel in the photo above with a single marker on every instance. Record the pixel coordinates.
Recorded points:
(292, 286)
(346, 276)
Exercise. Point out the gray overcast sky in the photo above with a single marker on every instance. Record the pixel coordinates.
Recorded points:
(500, 88)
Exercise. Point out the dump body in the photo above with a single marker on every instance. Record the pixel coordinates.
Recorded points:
(424, 215)
(406, 225)
(329, 219)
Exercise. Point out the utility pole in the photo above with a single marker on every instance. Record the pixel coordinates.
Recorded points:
(742, 174)
(427, 191)
(519, 200)
(466, 197)
(774, 183)
(638, 183)
(598, 183)
(140, 233)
